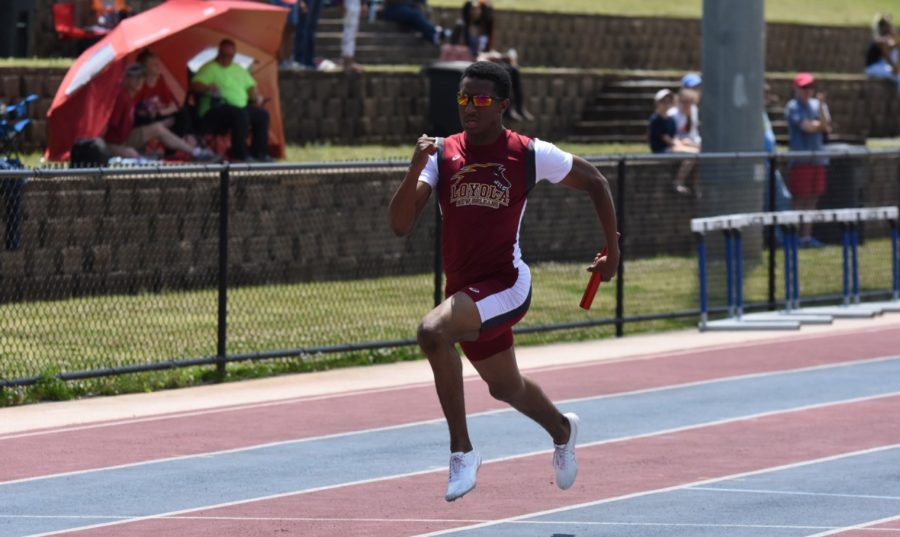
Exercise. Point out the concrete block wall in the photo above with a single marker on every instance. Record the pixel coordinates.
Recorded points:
(124, 235)
(394, 108)
(615, 42)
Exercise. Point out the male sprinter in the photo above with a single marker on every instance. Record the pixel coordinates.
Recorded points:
(483, 176)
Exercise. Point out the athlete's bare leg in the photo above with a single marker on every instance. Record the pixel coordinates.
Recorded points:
(506, 383)
(455, 319)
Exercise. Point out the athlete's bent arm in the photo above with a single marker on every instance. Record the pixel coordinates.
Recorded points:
(587, 178)
(412, 194)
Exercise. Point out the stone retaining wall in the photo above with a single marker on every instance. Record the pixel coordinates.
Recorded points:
(390, 108)
(604, 41)
(614, 42)
(127, 235)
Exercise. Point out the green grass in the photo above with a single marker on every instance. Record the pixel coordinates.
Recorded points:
(828, 12)
(43, 338)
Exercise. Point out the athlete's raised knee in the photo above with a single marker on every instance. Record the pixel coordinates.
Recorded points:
(431, 337)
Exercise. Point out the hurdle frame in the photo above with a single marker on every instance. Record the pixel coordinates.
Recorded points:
(793, 315)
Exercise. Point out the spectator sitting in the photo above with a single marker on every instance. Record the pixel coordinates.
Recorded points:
(413, 13)
(883, 54)
(687, 117)
(478, 33)
(124, 138)
(663, 139)
(238, 109)
(807, 123)
(156, 102)
(692, 81)
(110, 12)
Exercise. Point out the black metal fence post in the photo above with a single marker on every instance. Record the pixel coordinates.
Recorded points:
(620, 224)
(221, 348)
(771, 235)
(438, 262)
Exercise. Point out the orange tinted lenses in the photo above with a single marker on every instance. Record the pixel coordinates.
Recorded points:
(480, 101)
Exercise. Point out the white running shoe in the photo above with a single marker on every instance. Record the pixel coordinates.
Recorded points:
(564, 455)
(463, 469)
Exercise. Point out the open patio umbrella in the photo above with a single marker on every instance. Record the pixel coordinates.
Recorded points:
(177, 31)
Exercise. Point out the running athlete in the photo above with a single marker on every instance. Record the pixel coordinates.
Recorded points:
(482, 177)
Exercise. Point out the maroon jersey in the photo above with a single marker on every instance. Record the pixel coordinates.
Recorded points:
(482, 192)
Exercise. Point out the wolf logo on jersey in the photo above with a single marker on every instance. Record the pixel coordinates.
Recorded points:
(485, 185)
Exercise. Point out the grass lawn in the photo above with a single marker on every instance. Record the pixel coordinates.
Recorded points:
(828, 12)
(41, 338)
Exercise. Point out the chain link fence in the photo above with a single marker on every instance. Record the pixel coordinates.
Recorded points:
(111, 271)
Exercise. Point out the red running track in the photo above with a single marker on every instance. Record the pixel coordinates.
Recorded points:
(54, 451)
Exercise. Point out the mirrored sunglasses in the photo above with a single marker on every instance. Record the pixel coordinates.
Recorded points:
(480, 101)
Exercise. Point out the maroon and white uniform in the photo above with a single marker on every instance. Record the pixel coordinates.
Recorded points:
(482, 192)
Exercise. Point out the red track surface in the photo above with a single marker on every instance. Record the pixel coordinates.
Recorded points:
(509, 488)
(521, 486)
(71, 449)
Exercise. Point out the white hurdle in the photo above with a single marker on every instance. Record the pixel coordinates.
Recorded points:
(730, 226)
(794, 315)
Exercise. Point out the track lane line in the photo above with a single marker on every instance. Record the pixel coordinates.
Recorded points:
(796, 413)
(508, 410)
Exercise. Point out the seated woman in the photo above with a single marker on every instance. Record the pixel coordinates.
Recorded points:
(125, 139)
(883, 54)
(155, 101)
(478, 33)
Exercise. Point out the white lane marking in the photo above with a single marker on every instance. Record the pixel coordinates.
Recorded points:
(514, 457)
(665, 489)
(865, 526)
(798, 493)
(539, 369)
(510, 410)
(437, 520)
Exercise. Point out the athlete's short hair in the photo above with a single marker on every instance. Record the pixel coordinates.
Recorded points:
(493, 72)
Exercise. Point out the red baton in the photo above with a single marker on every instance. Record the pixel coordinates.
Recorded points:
(593, 284)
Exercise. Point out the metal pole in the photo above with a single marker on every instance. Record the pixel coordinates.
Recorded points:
(620, 224)
(854, 245)
(438, 262)
(738, 275)
(701, 259)
(845, 254)
(788, 271)
(729, 272)
(771, 234)
(895, 262)
(221, 347)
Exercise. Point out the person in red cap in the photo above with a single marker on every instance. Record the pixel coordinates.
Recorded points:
(808, 122)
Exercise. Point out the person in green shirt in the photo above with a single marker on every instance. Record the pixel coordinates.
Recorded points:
(230, 102)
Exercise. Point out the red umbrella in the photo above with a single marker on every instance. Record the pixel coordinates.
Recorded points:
(176, 31)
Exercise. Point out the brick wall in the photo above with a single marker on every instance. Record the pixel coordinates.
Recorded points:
(392, 108)
(603, 41)
(611, 42)
(126, 235)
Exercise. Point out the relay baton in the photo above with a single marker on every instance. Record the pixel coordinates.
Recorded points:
(593, 284)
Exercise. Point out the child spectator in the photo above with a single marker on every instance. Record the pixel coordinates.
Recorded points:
(663, 139)
(662, 127)
(686, 114)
